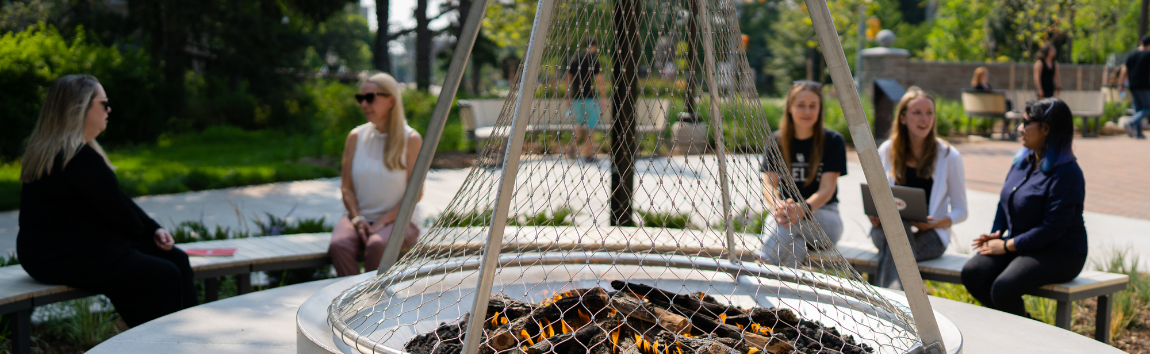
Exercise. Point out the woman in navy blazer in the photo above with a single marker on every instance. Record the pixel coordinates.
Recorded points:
(1039, 236)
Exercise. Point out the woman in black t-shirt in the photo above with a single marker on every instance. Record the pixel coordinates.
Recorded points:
(816, 157)
(915, 157)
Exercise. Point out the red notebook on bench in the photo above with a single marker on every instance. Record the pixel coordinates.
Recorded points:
(211, 252)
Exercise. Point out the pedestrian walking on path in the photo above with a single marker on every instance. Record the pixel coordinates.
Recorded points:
(1047, 78)
(1039, 234)
(915, 157)
(1137, 70)
(377, 163)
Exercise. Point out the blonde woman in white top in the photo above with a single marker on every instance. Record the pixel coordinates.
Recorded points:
(377, 162)
(915, 157)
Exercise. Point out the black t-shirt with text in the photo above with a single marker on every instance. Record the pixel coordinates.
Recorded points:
(583, 68)
(1138, 69)
(834, 160)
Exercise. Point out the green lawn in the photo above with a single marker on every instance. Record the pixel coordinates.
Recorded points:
(216, 158)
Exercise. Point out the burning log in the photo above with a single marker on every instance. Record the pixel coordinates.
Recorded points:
(584, 340)
(637, 319)
(633, 307)
(558, 311)
(660, 296)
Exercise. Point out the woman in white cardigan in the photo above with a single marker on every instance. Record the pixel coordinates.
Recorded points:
(915, 157)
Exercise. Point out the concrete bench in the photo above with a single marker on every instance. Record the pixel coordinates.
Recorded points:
(948, 269)
(550, 115)
(1087, 104)
(19, 293)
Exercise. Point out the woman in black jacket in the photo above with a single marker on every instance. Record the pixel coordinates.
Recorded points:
(77, 228)
(1039, 236)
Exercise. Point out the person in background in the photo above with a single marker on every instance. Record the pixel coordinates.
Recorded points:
(815, 158)
(981, 79)
(584, 78)
(77, 228)
(1039, 235)
(915, 157)
(1137, 70)
(378, 158)
(1047, 78)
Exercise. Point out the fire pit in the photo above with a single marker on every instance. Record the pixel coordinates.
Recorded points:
(735, 306)
(636, 318)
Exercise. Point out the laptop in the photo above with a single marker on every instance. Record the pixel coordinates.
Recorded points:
(910, 201)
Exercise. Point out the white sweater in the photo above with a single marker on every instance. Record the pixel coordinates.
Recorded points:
(946, 199)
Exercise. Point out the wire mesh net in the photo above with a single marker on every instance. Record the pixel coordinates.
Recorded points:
(636, 248)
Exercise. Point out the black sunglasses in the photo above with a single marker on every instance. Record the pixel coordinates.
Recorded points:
(370, 97)
(807, 82)
(107, 107)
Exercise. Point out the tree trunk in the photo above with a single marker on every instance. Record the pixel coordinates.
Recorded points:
(464, 9)
(1142, 24)
(423, 60)
(624, 92)
(382, 59)
(175, 36)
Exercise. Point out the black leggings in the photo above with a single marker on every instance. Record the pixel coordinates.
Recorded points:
(1000, 281)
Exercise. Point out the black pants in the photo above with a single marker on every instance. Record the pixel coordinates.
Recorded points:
(1000, 281)
(144, 284)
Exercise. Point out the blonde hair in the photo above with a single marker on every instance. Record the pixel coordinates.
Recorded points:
(60, 128)
(978, 72)
(397, 122)
(787, 129)
(900, 140)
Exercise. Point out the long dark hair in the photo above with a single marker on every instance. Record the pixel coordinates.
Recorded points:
(1056, 116)
(787, 128)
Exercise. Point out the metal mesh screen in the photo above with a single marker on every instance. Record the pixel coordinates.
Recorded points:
(587, 240)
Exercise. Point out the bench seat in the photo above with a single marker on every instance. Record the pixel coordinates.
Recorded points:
(948, 268)
(19, 293)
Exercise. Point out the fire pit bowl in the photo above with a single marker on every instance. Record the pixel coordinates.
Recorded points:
(420, 300)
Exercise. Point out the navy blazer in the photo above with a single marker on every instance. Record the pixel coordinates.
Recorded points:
(1043, 210)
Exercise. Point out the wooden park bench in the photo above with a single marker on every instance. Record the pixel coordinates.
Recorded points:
(19, 293)
(948, 269)
(479, 117)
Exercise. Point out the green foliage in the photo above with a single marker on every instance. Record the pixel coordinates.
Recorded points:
(1113, 110)
(509, 24)
(10, 259)
(746, 221)
(418, 105)
(955, 292)
(959, 32)
(561, 216)
(31, 59)
(474, 218)
(1131, 303)
(669, 220)
(82, 322)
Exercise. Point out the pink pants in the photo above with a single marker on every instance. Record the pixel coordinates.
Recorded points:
(347, 247)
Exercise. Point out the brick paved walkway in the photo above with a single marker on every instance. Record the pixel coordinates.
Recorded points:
(1117, 171)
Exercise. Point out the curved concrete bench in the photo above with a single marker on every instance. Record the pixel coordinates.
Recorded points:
(19, 293)
(948, 268)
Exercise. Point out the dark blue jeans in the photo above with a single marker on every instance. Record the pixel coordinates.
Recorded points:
(999, 282)
(1141, 99)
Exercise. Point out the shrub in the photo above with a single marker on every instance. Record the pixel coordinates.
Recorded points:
(30, 60)
(670, 220)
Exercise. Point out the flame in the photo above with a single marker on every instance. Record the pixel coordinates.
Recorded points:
(524, 333)
(753, 350)
(495, 320)
(739, 325)
(722, 318)
(550, 328)
(615, 341)
(582, 317)
(524, 349)
(503, 320)
(563, 326)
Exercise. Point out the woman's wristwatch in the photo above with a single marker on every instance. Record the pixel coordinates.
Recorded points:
(357, 219)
